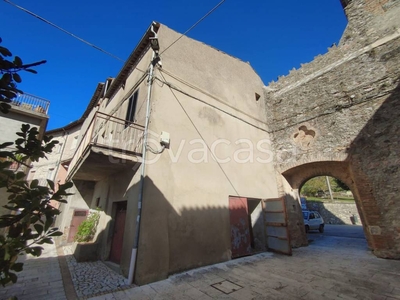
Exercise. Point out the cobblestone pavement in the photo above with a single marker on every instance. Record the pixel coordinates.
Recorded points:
(330, 268)
(40, 278)
(92, 278)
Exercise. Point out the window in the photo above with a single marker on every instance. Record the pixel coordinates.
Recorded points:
(130, 113)
(107, 86)
(59, 148)
(74, 142)
(50, 173)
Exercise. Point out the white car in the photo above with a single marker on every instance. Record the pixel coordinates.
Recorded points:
(313, 221)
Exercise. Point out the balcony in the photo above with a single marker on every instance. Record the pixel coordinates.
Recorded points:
(30, 103)
(108, 146)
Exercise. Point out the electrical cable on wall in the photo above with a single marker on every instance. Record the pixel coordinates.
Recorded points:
(201, 136)
(155, 151)
(171, 86)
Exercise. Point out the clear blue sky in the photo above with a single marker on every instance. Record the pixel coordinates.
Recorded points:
(274, 36)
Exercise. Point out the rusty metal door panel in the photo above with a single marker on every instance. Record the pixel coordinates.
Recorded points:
(276, 225)
(274, 217)
(278, 245)
(279, 232)
(240, 229)
(274, 205)
(78, 217)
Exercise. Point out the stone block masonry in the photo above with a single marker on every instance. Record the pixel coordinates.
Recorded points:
(340, 116)
(336, 213)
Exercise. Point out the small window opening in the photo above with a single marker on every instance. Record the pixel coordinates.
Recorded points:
(74, 142)
(257, 96)
(130, 113)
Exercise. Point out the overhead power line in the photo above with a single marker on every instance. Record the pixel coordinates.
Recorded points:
(63, 30)
(194, 25)
(201, 136)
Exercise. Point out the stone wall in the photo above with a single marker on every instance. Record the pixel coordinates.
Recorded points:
(336, 213)
(343, 108)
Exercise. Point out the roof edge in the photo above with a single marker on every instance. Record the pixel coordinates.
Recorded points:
(132, 60)
(92, 103)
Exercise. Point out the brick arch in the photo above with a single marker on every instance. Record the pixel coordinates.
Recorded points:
(313, 157)
(298, 175)
(361, 188)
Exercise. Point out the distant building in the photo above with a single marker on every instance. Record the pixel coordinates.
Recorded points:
(25, 109)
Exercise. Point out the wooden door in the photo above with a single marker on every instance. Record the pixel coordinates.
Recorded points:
(118, 234)
(276, 225)
(77, 218)
(240, 229)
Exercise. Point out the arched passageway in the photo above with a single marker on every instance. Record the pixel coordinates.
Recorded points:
(296, 177)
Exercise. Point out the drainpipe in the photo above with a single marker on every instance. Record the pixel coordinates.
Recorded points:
(132, 266)
(61, 154)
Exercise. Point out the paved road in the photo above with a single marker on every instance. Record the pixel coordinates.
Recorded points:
(40, 279)
(331, 267)
(350, 231)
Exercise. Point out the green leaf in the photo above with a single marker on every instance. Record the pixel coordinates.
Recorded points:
(6, 78)
(51, 184)
(7, 255)
(31, 71)
(45, 241)
(34, 183)
(17, 78)
(5, 108)
(67, 185)
(35, 251)
(19, 175)
(17, 267)
(5, 145)
(25, 127)
(38, 228)
(17, 61)
(5, 51)
(13, 277)
(56, 233)
(6, 154)
(47, 224)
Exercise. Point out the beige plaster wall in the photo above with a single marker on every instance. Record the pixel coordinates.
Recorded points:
(11, 123)
(69, 150)
(185, 221)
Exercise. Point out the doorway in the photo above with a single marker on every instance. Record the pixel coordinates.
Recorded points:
(118, 232)
(240, 228)
(78, 217)
(247, 226)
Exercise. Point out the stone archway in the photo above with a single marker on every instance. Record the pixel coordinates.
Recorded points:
(296, 176)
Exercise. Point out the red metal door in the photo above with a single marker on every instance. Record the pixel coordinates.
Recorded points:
(78, 217)
(240, 229)
(118, 236)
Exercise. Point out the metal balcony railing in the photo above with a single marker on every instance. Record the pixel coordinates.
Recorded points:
(110, 133)
(30, 102)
